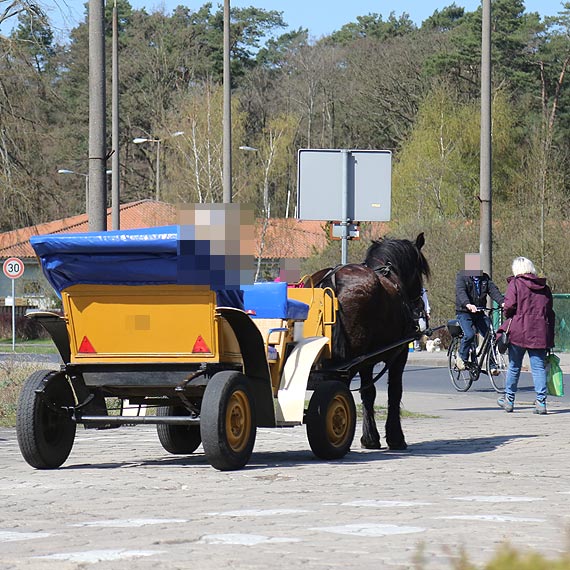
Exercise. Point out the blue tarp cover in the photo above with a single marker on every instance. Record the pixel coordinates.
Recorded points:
(149, 256)
(270, 301)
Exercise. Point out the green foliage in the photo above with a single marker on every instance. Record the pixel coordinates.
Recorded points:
(374, 27)
(445, 19)
(437, 173)
(507, 558)
(12, 375)
(36, 37)
(513, 38)
(375, 83)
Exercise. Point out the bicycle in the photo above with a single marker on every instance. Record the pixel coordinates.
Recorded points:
(484, 358)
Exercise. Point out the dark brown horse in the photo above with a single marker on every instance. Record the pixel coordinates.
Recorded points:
(379, 302)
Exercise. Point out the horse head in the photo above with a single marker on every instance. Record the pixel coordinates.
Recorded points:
(405, 259)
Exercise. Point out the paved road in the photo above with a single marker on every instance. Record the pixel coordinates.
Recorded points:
(473, 477)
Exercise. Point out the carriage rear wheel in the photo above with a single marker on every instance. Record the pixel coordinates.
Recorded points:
(177, 439)
(45, 432)
(461, 379)
(497, 363)
(227, 421)
(331, 420)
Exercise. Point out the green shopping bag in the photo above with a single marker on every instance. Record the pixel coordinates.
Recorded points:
(554, 379)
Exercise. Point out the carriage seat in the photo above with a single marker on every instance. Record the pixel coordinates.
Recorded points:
(270, 301)
(274, 314)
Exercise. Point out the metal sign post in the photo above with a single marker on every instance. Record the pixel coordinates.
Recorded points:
(13, 268)
(345, 185)
(344, 221)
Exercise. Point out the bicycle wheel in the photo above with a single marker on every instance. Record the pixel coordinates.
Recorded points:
(461, 379)
(498, 363)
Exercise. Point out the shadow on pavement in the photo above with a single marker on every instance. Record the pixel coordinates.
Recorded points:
(464, 446)
(288, 458)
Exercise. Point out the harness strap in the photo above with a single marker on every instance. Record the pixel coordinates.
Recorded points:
(383, 371)
(330, 273)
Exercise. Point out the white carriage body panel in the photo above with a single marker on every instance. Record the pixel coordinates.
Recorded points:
(291, 395)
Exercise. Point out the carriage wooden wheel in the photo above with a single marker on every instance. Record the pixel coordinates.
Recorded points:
(227, 421)
(331, 420)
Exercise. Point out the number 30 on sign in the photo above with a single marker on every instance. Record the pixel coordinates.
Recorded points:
(13, 268)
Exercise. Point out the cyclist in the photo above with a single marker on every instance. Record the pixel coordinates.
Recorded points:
(472, 287)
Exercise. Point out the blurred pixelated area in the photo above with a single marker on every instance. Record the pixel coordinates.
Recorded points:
(472, 264)
(289, 270)
(216, 245)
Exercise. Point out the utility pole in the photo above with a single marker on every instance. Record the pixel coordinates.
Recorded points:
(227, 150)
(115, 163)
(485, 191)
(97, 149)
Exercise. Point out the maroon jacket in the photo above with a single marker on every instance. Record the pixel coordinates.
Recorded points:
(528, 301)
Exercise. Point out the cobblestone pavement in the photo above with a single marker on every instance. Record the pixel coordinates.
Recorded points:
(472, 478)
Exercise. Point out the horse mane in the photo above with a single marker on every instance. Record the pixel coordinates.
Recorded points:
(397, 252)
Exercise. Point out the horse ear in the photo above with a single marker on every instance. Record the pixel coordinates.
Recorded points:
(420, 241)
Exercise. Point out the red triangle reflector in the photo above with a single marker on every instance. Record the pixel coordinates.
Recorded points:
(200, 345)
(86, 346)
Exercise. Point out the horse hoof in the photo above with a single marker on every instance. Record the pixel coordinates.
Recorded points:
(401, 446)
(365, 444)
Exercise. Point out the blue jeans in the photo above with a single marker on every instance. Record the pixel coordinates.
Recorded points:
(536, 357)
(471, 323)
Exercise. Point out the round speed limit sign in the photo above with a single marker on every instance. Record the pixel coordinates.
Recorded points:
(13, 268)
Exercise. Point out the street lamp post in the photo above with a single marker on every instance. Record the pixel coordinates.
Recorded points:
(86, 176)
(140, 140)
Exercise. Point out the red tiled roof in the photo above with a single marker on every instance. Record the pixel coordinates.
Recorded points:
(289, 238)
(284, 238)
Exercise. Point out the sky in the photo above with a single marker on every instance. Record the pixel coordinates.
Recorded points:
(320, 17)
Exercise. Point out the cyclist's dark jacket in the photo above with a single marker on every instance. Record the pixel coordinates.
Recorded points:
(528, 301)
(466, 293)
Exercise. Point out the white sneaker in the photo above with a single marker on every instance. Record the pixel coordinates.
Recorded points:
(460, 365)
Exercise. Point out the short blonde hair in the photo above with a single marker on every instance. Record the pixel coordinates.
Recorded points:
(522, 265)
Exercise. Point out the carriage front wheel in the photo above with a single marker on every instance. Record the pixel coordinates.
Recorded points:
(177, 439)
(461, 379)
(44, 429)
(331, 420)
(227, 421)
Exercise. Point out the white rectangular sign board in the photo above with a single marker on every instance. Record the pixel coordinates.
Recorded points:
(320, 180)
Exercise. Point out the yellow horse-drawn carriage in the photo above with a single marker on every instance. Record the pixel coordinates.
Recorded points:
(206, 364)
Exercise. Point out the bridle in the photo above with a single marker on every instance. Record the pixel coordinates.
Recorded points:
(386, 270)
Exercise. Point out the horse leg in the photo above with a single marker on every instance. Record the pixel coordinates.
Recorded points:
(394, 434)
(370, 437)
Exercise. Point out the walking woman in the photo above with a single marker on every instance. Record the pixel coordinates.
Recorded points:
(528, 303)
